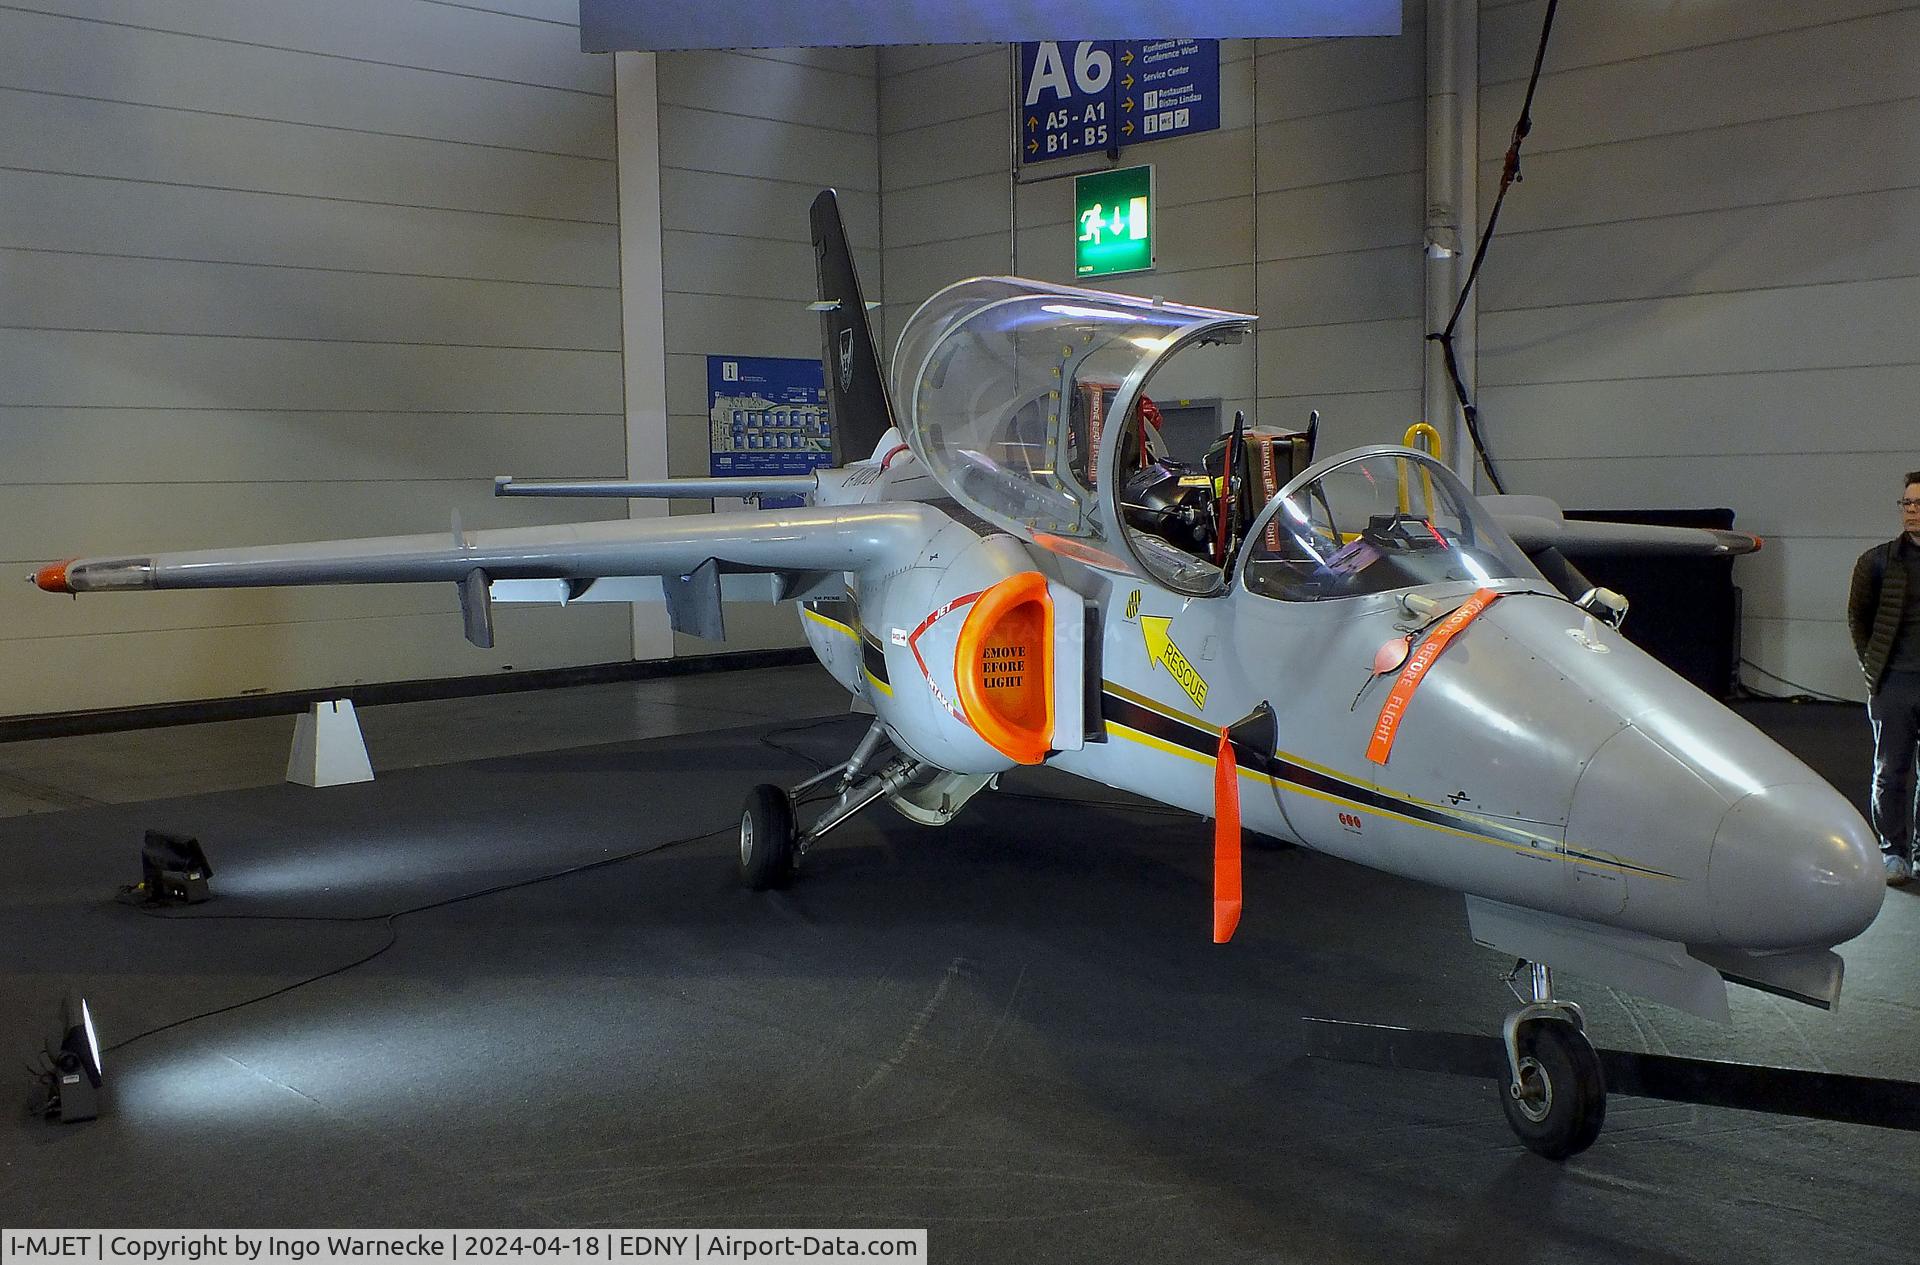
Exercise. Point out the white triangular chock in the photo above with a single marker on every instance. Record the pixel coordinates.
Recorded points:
(327, 747)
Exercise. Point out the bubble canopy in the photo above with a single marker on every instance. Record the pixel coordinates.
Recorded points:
(1014, 393)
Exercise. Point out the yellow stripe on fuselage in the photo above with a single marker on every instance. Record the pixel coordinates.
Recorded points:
(818, 618)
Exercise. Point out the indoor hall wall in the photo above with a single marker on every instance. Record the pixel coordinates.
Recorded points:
(1703, 293)
(1306, 206)
(273, 271)
(747, 140)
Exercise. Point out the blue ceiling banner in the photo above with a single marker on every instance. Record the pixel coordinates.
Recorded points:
(614, 25)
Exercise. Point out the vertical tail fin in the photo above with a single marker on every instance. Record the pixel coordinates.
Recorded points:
(857, 399)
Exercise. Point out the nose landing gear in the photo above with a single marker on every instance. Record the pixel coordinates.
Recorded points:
(1555, 1093)
(771, 840)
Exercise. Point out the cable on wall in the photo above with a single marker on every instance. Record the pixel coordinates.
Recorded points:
(1509, 176)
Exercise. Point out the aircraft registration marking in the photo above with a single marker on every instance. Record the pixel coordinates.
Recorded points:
(1137, 719)
(1161, 650)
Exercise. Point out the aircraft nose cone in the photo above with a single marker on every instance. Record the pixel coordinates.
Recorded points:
(1794, 866)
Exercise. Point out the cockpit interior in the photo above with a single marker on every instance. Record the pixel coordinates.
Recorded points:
(1030, 404)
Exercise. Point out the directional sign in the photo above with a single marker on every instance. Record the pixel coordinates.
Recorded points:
(1081, 96)
(1113, 221)
(1067, 102)
(1177, 85)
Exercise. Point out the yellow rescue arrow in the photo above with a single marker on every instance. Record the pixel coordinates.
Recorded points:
(1161, 650)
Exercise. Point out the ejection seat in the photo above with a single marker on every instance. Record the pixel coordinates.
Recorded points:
(1265, 463)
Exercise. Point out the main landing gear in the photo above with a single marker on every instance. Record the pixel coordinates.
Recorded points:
(1555, 1091)
(772, 841)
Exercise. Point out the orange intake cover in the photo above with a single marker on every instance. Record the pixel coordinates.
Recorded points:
(1003, 667)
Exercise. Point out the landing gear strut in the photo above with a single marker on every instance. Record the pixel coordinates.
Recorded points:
(1555, 1092)
(771, 840)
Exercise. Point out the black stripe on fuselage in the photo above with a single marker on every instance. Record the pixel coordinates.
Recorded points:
(1122, 710)
(873, 657)
(845, 611)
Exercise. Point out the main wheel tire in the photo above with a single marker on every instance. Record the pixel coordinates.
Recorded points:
(768, 842)
(1566, 1101)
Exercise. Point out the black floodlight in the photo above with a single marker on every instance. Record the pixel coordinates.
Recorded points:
(173, 870)
(73, 1051)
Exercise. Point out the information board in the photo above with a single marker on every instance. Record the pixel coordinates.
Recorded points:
(767, 415)
(1081, 96)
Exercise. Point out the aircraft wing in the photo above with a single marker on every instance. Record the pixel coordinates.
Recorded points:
(694, 548)
(728, 485)
(1537, 523)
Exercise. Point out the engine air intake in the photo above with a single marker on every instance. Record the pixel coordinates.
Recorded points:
(1003, 667)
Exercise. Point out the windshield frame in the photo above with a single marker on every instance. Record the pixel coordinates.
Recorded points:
(1227, 327)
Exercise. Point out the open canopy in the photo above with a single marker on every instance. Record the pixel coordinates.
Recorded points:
(1019, 395)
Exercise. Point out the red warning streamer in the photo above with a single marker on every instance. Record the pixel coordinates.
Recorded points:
(1226, 841)
(1416, 671)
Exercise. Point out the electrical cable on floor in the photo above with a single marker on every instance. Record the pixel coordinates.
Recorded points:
(389, 919)
(768, 739)
(1509, 176)
(393, 934)
(1806, 694)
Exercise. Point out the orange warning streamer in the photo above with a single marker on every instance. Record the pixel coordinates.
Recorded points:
(1226, 842)
(1416, 671)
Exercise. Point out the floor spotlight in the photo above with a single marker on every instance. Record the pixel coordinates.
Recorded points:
(173, 871)
(73, 1078)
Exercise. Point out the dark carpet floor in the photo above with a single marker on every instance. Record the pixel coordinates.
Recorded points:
(1014, 1032)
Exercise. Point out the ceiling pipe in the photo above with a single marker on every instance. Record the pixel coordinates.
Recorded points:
(1453, 119)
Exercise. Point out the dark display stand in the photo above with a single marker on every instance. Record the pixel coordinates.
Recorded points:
(1686, 611)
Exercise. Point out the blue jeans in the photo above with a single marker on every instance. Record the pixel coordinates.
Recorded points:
(1894, 710)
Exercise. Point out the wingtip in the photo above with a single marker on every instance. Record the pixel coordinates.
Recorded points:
(52, 578)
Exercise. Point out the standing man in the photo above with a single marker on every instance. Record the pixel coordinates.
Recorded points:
(1883, 613)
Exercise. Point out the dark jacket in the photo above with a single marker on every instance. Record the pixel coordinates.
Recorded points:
(1875, 601)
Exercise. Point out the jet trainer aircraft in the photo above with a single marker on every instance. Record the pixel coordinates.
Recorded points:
(1369, 661)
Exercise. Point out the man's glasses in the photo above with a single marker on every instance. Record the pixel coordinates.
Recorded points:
(1908, 503)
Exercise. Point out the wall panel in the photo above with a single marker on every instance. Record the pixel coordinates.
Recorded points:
(748, 139)
(277, 271)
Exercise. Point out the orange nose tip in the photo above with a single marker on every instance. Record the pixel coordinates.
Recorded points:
(53, 577)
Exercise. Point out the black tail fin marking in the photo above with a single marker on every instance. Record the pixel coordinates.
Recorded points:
(857, 399)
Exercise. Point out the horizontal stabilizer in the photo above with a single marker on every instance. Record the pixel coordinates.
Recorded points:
(664, 489)
(1537, 523)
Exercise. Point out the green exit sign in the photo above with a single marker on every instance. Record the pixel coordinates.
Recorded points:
(1113, 222)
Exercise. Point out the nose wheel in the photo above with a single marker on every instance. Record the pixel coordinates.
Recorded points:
(769, 844)
(1555, 1094)
(771, 839)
